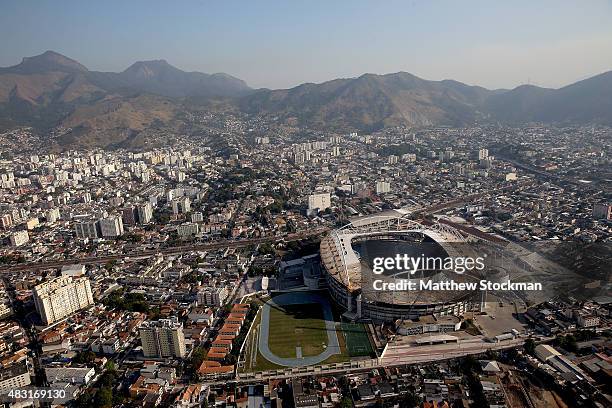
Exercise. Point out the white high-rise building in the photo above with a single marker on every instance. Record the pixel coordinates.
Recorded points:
(86, 229)
(483, 154)
(53, 215)
(6, 221)
(111, 227)
(14, 377)
(318, 202)
(383, 187)
(145, 213)
(299, 158)
(163, 338)
(181, 205)
(197, 217)
(18, 238)
(409, 157)
(187, 229)
(60, 297)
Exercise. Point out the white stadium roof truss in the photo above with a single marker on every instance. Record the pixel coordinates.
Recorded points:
(386, 224)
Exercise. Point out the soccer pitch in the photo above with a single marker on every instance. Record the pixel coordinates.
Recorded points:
(357, 340)
(297, 330)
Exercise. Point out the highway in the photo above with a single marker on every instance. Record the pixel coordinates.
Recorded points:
(406, 354)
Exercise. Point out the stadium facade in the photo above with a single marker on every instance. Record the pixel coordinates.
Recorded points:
(349, 277)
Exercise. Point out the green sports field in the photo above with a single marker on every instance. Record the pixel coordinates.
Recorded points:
(357, 340)
(297, 326)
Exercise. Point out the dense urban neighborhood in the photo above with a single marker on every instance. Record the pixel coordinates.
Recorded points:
(179, 275)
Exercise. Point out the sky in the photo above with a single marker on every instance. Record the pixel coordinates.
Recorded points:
(280, 44)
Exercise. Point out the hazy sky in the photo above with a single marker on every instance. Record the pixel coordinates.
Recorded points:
(283, 43)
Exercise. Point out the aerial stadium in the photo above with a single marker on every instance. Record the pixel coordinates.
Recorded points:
(347, 256)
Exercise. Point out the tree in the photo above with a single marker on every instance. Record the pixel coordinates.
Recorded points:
(104, 398)
(511, 354)
(346, 402)
(197, 357)
(266, 249)
(469, 365)
(410, 400)
(84, 357)
(108, 379)
(190, 278)
(85, 399)
(132, 302)
(110, 366)
(231, 359)
(110, 265)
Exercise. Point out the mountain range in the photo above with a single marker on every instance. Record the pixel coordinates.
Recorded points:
(104, 108)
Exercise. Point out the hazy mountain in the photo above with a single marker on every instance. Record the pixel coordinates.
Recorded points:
(159, 77)
(372, 101)
(52, 72)
(43, 63)
(162, 78)
(51, 90)
(587, 101)
(44, 79)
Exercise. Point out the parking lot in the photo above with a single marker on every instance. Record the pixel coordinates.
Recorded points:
(499, 319)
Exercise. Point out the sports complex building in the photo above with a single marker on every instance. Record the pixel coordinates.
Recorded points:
(347, 256)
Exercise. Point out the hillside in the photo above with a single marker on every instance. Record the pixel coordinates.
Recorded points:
(372, 101)
(108, 108)
(587, 101)
(52, 90)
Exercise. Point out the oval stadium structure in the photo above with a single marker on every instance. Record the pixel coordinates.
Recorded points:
(347, 254)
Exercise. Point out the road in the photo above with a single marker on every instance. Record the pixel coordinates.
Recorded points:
(402, 356)
(166, 251)
(395, 355)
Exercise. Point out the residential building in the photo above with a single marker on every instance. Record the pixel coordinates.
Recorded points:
(18, 238)
(145, 213)
(60, 297)
(318, 202)
(73, 375)
(14, 377)
(87, 230)
(187, 229)
(602, 211)
(128, 215)
(181, 205)
(383, 187)
(111, 227)
(212, 296)
(163, 338)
